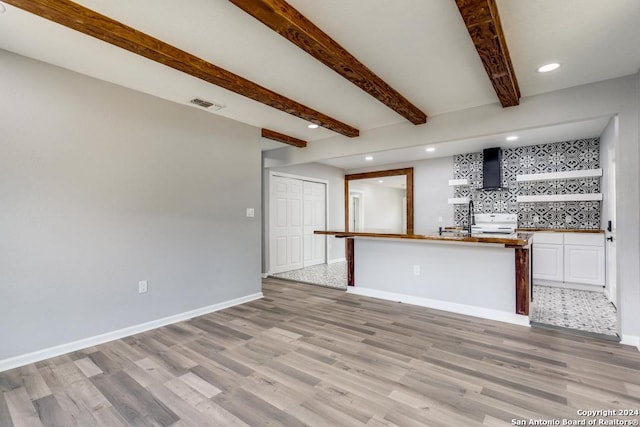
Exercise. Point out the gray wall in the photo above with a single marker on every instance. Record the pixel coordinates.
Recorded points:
(101, 187)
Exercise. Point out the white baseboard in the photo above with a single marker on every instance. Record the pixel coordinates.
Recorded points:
(630, 340)
(265, 275)
(36, 356)
(334, 261)
(569, 285)
(468, 310)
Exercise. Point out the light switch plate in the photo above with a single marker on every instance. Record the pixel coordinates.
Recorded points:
(251, 212)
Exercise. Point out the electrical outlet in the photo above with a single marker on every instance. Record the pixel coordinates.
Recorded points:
(416, 270)
(439, 219)
(142, 287)
(251, 212)
(568, 219)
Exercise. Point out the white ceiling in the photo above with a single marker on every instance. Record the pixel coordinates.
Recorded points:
(421, 48)
(563, 132)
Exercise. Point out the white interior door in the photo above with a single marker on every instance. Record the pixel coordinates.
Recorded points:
(314, 213)
(286, 230)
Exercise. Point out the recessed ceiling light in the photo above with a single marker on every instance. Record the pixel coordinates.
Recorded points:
(512, 138)
(380, 181)
(430, 149)
(368, 158)
(548, 67)
(312, 126)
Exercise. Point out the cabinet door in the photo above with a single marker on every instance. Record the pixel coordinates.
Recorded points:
(584, 264)
(548, 262)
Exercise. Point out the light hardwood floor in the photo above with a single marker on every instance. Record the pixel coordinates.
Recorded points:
(306, 355)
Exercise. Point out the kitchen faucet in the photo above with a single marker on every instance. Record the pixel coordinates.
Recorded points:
(471, 218)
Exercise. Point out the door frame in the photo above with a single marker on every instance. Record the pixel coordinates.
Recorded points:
(267, 212)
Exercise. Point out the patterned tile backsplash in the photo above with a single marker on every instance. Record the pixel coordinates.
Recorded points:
(556, 157)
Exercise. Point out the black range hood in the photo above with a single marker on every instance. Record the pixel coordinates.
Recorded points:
(492, 168)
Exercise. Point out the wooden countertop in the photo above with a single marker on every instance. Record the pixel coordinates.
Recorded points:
(521, 239)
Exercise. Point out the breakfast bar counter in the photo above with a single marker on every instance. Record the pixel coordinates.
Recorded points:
(479, 275)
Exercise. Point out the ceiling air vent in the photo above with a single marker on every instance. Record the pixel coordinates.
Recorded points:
(206, 104)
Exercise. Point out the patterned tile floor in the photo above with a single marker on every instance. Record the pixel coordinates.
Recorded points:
(569, 308)
(327, 275)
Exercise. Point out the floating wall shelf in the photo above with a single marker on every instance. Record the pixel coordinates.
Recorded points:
(458, 201)
(550, 176)
(457, 182)
(560, 198)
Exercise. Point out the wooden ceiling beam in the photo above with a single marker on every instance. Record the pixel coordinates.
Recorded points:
(280, 137)
(483, 23)
(84, 20)
(292, 25)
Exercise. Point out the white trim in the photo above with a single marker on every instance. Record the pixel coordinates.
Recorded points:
(47, 353)
(458, 200)
(336, 260)
(456, 182)
(592, 197)
(550, 176)
(469, 310)
(265, 275)
(630, 340)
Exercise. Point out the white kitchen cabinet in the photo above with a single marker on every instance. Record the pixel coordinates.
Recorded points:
(584, 259)
(548, 257)
(569, 259)
(548, 262)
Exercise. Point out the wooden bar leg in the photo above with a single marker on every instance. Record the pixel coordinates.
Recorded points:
(350, 262)
(523, 277)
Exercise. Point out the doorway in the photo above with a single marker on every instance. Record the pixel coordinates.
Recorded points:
(356, 210)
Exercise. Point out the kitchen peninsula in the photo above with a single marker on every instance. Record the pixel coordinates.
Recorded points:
(487, 277)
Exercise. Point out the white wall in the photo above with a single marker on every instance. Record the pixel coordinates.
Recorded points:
(101, 187)
(628, 213)
(335, 218)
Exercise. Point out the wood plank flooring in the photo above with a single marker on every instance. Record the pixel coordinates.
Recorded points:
(306, 355)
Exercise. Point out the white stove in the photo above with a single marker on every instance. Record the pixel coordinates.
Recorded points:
(502, 224)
